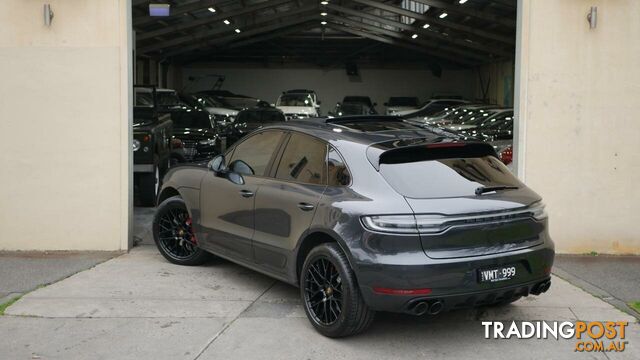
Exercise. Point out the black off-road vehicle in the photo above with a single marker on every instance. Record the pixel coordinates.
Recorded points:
(152, 133)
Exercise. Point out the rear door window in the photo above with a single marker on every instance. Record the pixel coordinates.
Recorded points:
(304, 160)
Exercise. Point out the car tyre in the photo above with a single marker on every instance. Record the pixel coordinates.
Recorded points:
(173, 234)
(330, 294)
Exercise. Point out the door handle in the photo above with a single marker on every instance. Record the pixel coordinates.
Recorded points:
(246, 193)
(305, 206)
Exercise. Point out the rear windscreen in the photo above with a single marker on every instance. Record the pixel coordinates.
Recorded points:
(451, 177)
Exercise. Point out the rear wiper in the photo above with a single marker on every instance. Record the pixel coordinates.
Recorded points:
(485, 189)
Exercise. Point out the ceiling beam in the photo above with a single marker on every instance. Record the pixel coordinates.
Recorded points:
(274, 34)
(245, 34)
(466, 10)
(405, 36)
(434, 21)
(205, 35)
(209, 20)
(386, 40)
(420, 30)
(393, 9)
(437, 21)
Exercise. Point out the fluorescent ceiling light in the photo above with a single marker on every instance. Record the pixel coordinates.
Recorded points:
(414, 36)
(324, 2)
(425, 26)
(237, 31)
(159, 9)
(226, 22)
(323, 14)
(211, 9)
(443, 15)
(323, 22)
(462, 1)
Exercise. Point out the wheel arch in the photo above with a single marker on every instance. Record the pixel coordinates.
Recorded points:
(166, 193)
(310, 240)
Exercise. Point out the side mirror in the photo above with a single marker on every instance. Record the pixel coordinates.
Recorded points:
(218, 165)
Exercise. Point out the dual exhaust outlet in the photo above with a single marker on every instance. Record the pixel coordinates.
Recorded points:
(541, 287)
(427, 307)
(435, 307)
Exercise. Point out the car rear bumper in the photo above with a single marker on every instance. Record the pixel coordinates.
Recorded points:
(455, 282)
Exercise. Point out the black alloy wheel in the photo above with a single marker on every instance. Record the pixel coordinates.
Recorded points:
(174, 236)
(323, 291)
(330, 293)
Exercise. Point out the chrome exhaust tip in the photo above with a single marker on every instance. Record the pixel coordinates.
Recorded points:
(436, 307)
(546, 286)
(541, 287)
(420, 308)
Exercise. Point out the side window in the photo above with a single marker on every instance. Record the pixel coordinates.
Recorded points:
(338, 174)
(303, 160)
(252, 156)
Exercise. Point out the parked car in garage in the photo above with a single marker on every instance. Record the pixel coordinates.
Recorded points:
(355, 105)
(222, 111)
(444, 116)
(236, 101)
(185, 111)
(152, 132)
(298, 104)
(350, 109)
(431, 107)
(249, 120)
(199, 137)
(473, 119)
(365, 101)
(363, 214)
(397, 104)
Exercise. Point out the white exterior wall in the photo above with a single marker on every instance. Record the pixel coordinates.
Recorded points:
(579, 130)
(64, 116)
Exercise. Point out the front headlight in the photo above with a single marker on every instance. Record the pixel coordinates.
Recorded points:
(136, 145)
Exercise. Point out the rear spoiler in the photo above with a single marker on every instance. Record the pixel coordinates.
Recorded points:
(427, 151)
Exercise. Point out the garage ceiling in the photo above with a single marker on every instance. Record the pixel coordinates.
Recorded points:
(329, 33)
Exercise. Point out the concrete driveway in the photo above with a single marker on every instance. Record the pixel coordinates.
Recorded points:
(138, 306)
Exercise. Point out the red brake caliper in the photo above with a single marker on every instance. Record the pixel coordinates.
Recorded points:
(193, 236)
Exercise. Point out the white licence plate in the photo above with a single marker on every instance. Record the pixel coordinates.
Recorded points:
(502, 273)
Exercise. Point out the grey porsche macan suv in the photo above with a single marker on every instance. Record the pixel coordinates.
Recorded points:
(363, 214)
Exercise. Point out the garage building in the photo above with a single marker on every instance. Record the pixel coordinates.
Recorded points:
(567, 67)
